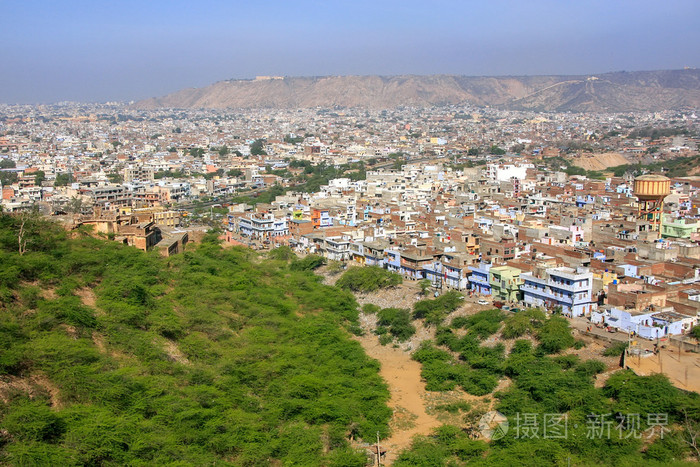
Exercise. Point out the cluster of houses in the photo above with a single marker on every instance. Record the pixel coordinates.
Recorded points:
(572, 245)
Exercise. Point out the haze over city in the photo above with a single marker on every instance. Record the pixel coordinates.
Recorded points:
(95, 51)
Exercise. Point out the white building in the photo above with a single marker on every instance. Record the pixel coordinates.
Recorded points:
(653, 325)
(504, 172)
(566, 287)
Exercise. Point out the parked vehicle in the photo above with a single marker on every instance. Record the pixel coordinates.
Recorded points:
(514, 310)
(483, 302)
(505, 308)
(498, 304)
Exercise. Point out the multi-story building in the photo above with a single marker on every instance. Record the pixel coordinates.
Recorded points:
(111, 196)
(679, 228)
(505, 283)
(479, 278)
(374, 253)
(412, 263)
(138, 173)
(337, 248)
(568, 288)
(260, 225)
(321, 218)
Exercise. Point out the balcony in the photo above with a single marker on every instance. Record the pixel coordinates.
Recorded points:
(576, 287)
(546, 293)
(479, 280)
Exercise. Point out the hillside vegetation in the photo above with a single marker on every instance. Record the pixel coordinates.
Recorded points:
(531, 375)
(111, 356)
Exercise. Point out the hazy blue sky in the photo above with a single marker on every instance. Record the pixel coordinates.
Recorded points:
(93, 50)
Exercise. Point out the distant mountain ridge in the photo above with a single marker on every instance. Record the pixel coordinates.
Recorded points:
(607, 92)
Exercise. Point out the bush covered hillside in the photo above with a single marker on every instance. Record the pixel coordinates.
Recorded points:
(540, 384)
(110, 356)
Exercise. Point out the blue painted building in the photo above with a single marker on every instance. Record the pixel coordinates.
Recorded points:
(479, 278)
(572, 289)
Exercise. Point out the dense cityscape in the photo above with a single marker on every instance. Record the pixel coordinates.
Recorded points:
(350, 234)
(593, 217)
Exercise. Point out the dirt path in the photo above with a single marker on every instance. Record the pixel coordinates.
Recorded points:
(407, 395)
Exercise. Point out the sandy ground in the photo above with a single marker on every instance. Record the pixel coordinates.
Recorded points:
(31, 386)
(408, 395)
(413, 406)
(599, 161)
(682, 369)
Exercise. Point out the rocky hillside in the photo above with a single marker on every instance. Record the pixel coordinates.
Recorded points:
(614, 92)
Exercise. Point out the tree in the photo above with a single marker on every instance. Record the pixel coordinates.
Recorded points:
(75, 205)
(424, 285)
(63, 179)
(223, 150)
(234, 173)
(8, 178)
(257, 148)
(289, 139)
(495, 150)
(555, 335)
(695, 332)
(21, 235)
(196, 152)
(7, 164)
(39, 177)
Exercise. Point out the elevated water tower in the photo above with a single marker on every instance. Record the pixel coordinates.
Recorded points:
(651, 190)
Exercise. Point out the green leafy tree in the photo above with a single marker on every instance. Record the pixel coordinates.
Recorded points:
(63, 179)
(424, 285)
(495, 150)
(197, 153)
(39, 177)
(257, 148)
(695, 332)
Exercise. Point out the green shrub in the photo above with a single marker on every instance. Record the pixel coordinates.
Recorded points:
(524, 322)
(398, 322)
(385, 339)
(615, 350)
(454, 407)
(368, 279)
(308, 263)
(591, 367)
(555, 335)
(203, 358)
(282, 253)
(695, 332)
(435, 311)
(482, 324)
(33, 420)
